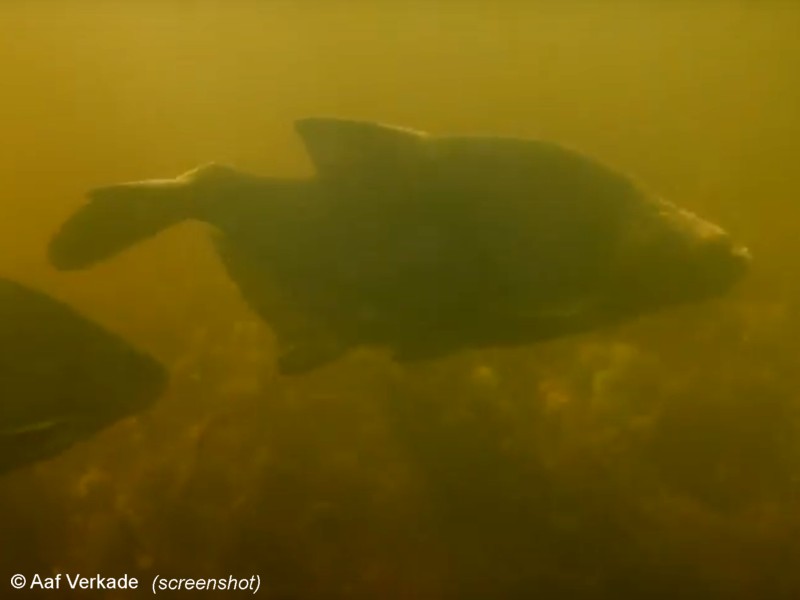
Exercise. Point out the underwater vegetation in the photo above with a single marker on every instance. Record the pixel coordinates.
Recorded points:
(600, 469)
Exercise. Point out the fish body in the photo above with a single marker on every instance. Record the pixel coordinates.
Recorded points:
(425, 244)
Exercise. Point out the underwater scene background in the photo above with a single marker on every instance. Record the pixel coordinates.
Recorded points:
(658, 459)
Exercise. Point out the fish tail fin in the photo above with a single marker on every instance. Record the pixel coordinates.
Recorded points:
(118, 216)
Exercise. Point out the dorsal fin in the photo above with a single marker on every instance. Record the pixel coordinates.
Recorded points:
(340, 148)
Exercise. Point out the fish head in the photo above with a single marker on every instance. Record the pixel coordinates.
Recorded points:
(668, 255)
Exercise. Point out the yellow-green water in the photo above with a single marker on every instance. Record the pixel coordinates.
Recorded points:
(657, 460)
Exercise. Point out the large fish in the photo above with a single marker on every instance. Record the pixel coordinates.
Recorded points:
(62, 377)
(426, 244)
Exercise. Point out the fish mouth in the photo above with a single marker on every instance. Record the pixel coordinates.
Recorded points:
(743, 255)
(739, 260)
(711, 273)
(721, 265)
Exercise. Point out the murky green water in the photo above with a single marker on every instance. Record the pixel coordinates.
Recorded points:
(656, 460)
